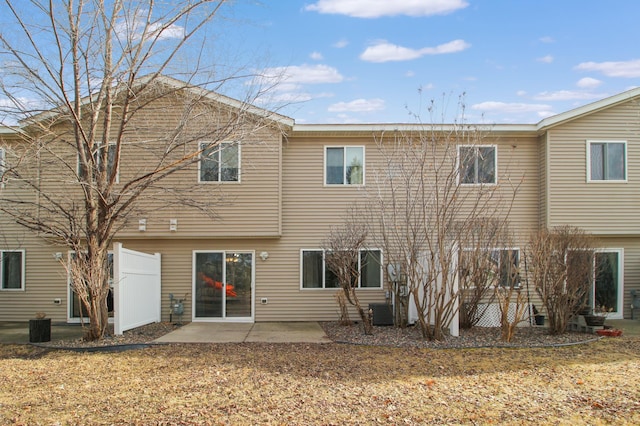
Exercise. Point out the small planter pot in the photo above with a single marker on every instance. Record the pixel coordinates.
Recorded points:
(40, 330)
(610, 332)
(594, 320)
(539, 319)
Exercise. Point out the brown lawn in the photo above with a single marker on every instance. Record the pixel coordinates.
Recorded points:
(597, 383)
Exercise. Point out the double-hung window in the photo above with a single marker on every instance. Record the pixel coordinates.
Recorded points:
(499, 267)
(219, 162)
(97, 155)
(606, 161)
(316, 274)
(344, 165)
(477, 164)
(12, 268)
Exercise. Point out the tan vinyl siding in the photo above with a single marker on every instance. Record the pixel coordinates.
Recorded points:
(45, 281)
(597, 207)
(543, 171)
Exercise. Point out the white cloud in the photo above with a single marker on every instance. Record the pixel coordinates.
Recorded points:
(547, 39)
(625, 69)
(546, 59)
(511, 108)
(521, 93)
(302, 74)
(378, 8)
(385, 52)
(410, 73)
(566, 95)
(358, 105)
(133, 29)
(340, 44)
(316, 56)
(588, 83)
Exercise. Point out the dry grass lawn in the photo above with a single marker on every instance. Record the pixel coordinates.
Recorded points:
(272, 384)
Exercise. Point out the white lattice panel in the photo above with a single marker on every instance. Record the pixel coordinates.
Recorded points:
(490, 315)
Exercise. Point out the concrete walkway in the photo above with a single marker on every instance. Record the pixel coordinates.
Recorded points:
(270, 332)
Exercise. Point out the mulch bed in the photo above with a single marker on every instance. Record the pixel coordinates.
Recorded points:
(389, 336)
(477, 337)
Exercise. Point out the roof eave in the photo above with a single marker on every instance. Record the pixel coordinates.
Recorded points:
(584, 110)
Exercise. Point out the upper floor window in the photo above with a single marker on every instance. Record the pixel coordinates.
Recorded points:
(97, 155)
(477, 164)
(606, 161)
(316, 274)
(219, 162)
(344, 165)
(12, 268)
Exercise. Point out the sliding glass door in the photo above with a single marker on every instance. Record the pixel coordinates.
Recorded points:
(607, 286)
(223, 285)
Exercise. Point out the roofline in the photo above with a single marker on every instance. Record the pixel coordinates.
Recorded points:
(178, 84)
(535, 129)
(587, 109)
(8, 130)
(369, 128)
(226, 100)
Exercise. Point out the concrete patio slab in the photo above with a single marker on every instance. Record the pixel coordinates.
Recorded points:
(271, 332)
(287, 332)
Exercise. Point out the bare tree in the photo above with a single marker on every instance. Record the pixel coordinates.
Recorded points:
(479, 274)
(430, 191)
(342, 249)
(84, 77)
(559, 265)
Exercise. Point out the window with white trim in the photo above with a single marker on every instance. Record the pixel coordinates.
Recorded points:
(502, 265)
(344, 165)
(97, 155)
(477, 164)
(606, 161)
(219, 162)
(316, 274)
(12, 268)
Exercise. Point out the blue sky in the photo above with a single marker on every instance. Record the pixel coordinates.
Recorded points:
(372, 61)
(384, 61)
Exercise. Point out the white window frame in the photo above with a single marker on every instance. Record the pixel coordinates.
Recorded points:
(224, 317)
(495, 165)
(97, 153)
(499, 250)
(620, 296)
(324, 269)
(221, 146)
(344, 167)
(605, 180)
(22, 270)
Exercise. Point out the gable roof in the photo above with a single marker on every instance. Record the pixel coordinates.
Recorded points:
(176, 85)
(365, 128)
(585, 110)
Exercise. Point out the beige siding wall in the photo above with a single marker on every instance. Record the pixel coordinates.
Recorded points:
(309, 209)
(543, 171)
(597, 207)
(44, 278)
